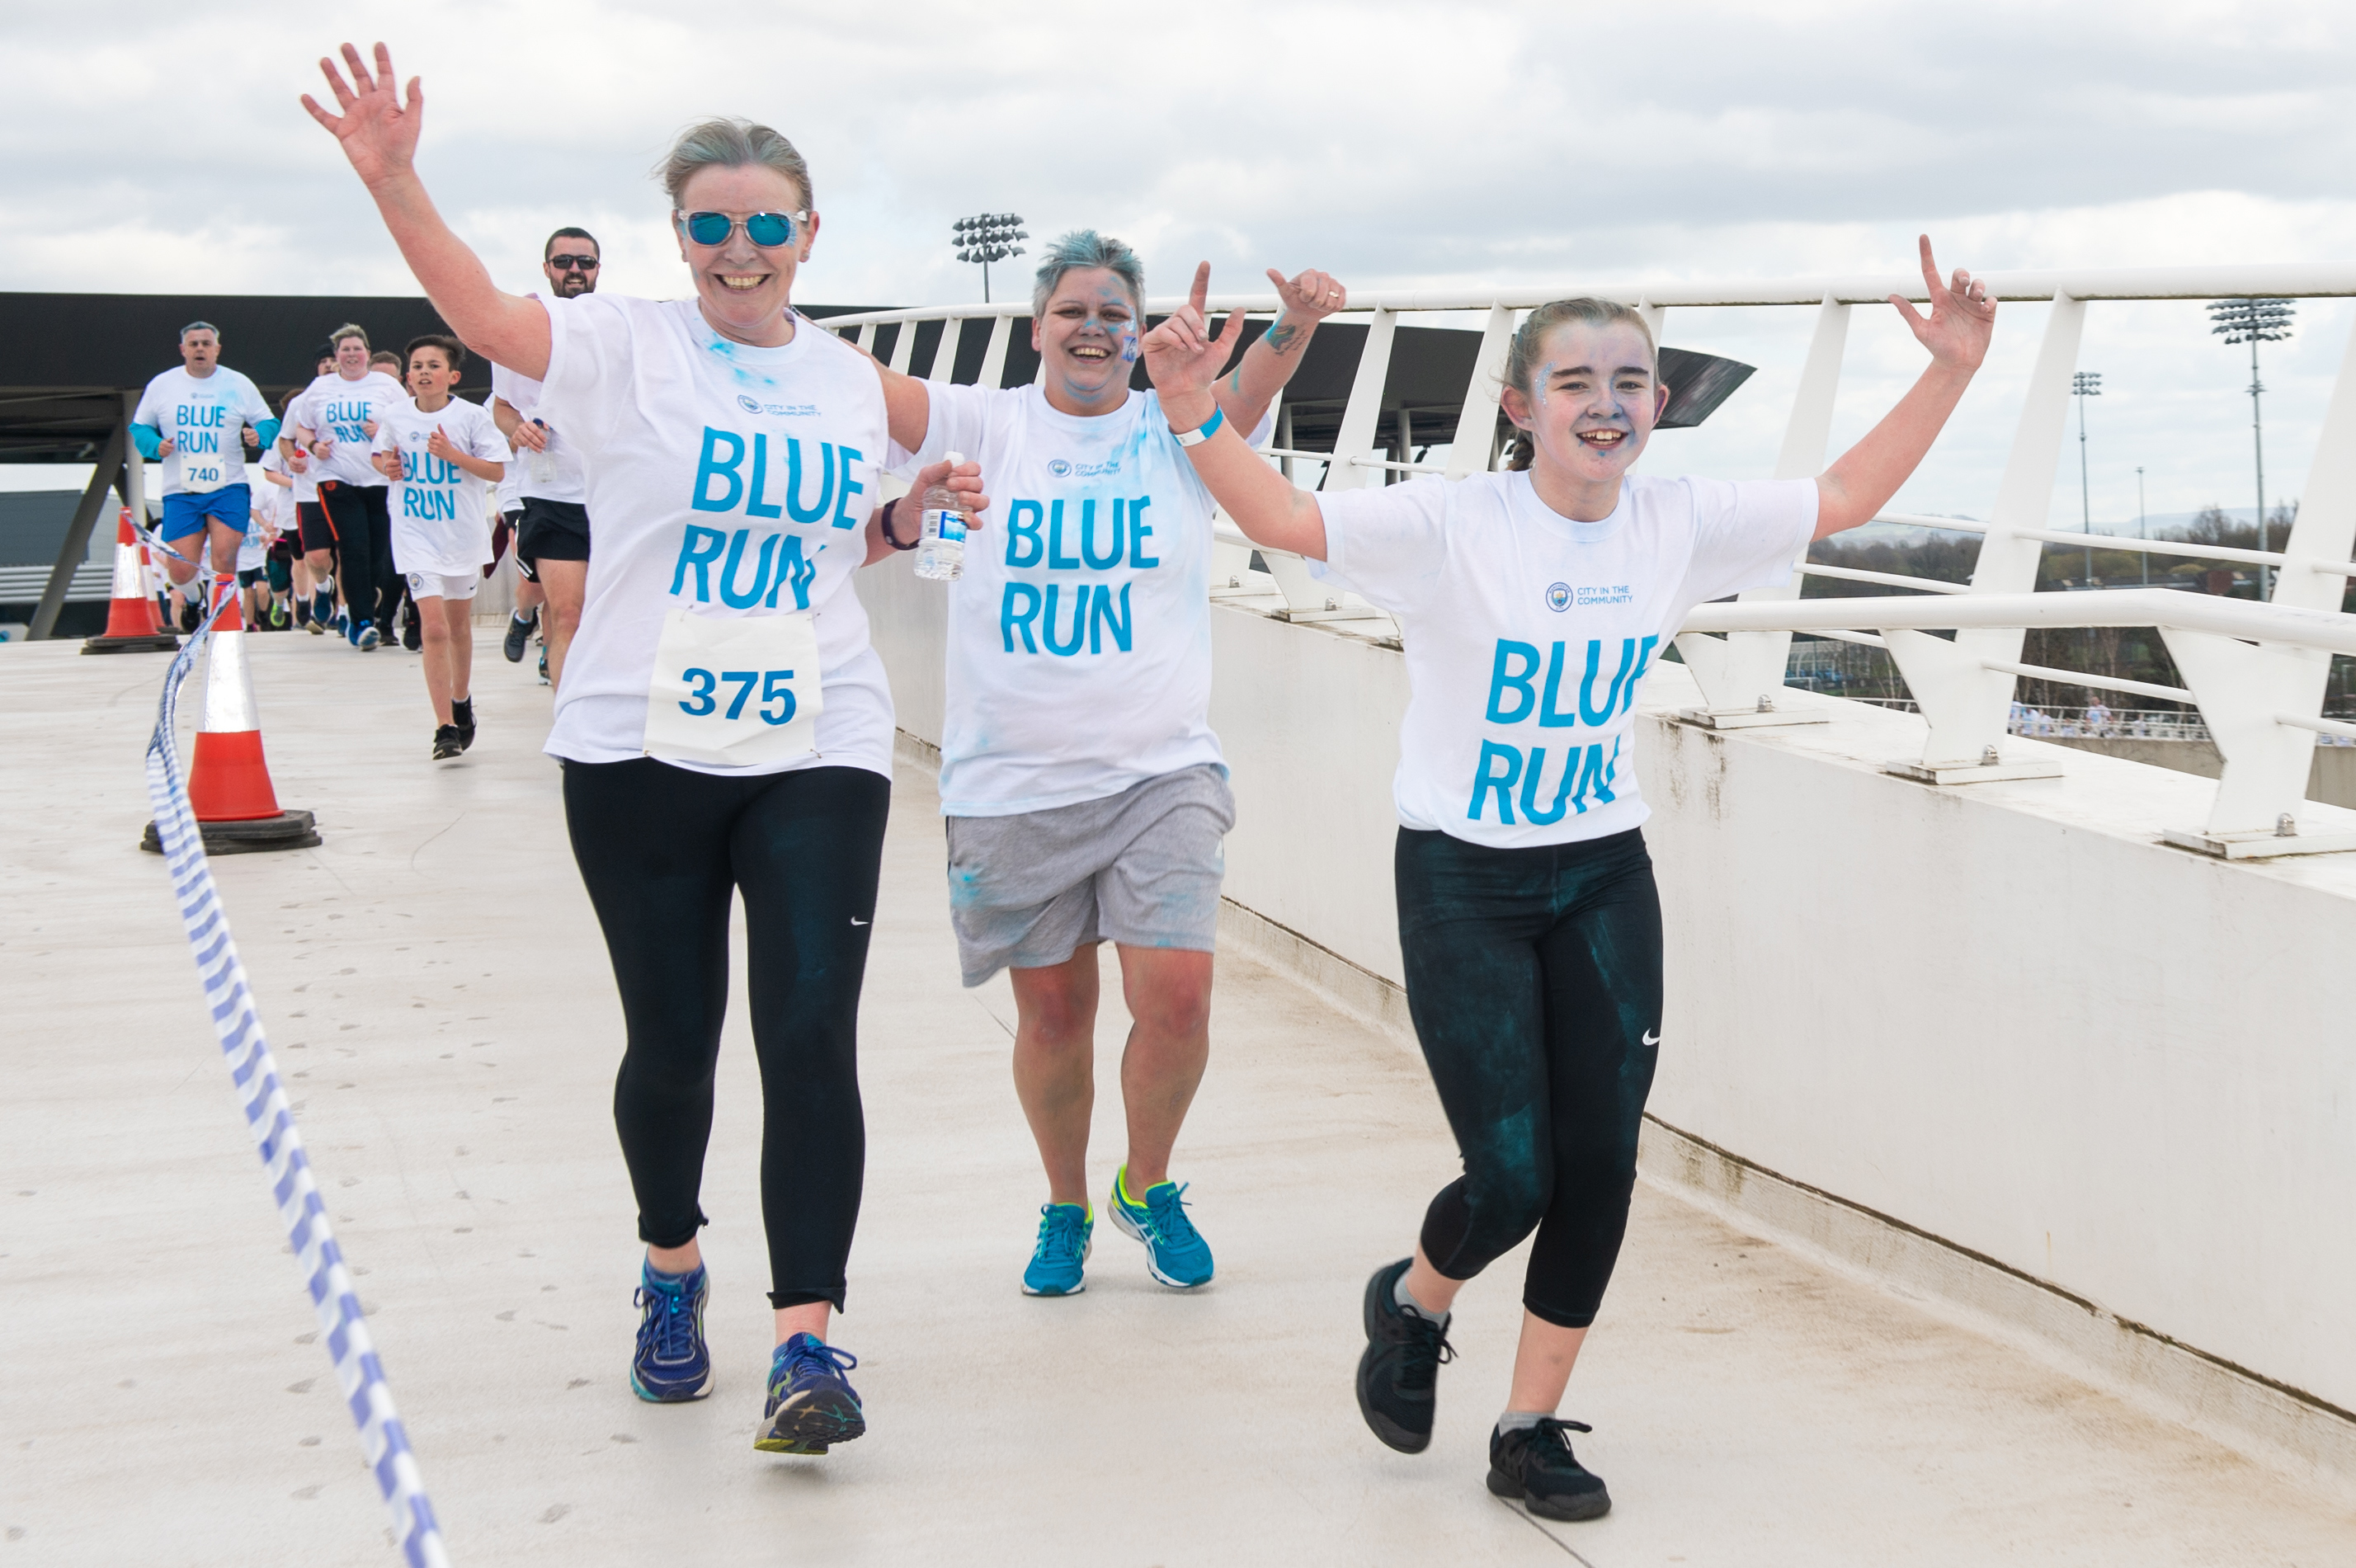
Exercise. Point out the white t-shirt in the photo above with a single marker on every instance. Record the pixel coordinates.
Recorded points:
(510, 489)
(274, 503)
(307, 482)
(340, 410)
(563, 458)
(1528, 633)
(204, 418)
(260, 523)
(714, 469)
(1080, 637)
(438, 522)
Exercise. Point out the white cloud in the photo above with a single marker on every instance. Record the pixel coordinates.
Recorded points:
(1393, 144)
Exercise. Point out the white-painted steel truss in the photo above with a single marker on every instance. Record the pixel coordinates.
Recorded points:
(2257, 671)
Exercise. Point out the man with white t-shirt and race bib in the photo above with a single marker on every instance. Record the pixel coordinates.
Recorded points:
(1084, 792)
(724, 726)
(555, 527)
(199, 417)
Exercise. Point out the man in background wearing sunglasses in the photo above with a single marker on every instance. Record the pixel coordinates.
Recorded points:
(553, 542)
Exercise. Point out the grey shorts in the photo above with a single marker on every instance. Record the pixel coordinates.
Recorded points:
(1142, 867)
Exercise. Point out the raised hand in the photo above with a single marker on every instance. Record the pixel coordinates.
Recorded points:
(1962, 318)
(1183, 355)
(529, 434)
(438, 445)
(1313, 294)
(378, 131)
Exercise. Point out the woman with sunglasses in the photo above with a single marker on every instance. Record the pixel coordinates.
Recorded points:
(723, 724)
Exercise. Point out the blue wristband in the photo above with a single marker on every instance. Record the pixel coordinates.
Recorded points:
(1210, 428)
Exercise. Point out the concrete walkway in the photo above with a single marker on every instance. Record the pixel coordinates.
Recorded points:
(435, 989)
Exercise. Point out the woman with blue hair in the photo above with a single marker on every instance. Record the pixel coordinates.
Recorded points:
(1083, 789)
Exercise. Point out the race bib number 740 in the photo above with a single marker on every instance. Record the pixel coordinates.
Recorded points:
(734, 690)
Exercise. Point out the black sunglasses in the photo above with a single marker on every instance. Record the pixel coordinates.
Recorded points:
(569, 263)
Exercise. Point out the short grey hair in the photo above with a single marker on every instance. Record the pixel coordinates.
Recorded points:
(1087, 248)
(199, 327)
(731, 143)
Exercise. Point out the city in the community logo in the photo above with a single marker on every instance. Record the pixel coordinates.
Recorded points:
(1558, 596)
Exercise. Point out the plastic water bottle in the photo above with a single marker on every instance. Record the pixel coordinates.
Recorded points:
(940, 552)
(543, 462)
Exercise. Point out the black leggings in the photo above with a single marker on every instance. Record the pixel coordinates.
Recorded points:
(661, 850)
(1534, 977)
(363, 517)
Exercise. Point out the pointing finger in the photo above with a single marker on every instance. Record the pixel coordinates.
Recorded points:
(1202, 291)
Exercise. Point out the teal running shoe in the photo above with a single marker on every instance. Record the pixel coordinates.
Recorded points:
(672, 1364)
(1175, 1252)
(1064, 1231)
(811, 1403)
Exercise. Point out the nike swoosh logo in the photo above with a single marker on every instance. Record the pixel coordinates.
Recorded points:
(856, 920)
(1651, 1039)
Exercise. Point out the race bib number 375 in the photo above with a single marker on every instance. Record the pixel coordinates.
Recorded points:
(733, 691)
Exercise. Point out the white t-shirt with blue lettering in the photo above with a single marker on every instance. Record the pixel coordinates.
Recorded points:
(440, 525)
(1080, 637)
(1528, 633)
(341, 411)
(737, 480)
(204, 418)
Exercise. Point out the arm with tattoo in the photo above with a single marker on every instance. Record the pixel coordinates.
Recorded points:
(1245, 393)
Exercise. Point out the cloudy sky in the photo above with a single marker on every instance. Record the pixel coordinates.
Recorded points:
(1395, 144)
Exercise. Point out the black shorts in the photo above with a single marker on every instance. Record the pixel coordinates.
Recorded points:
(281, 572)
(551, 530)
(503, 533)
(248, 577)
(319, 530)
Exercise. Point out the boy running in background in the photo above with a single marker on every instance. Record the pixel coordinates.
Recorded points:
(441, 454)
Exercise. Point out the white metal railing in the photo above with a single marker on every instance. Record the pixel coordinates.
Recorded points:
(2255, 671)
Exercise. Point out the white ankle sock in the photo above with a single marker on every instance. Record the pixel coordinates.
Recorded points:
(1406, 1297)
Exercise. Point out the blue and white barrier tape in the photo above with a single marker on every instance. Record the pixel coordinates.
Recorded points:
(271, 1120)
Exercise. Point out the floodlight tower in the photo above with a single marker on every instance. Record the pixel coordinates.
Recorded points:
(2083, 385)
(988, 237)
(2254, 321)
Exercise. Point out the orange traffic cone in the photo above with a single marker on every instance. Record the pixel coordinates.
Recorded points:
(228, 781)
(131, 622)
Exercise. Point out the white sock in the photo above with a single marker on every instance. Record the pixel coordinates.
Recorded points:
(1406, 1297)
(1521, 1420)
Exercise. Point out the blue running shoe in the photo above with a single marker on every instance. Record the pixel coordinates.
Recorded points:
(323, 607)
(811, 1403)
(368, 638)
(1175, 1252)
(672, 1364)
(1064, 1230)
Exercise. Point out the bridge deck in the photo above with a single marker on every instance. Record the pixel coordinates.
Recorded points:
(435, 985)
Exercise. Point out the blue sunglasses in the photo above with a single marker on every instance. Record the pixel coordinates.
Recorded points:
(763, 228)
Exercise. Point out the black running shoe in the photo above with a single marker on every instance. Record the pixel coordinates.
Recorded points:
(447, 743)
(188, 615)
(519, 636)
(1403, 1349)
(409, 635)
(1536, 1464)
(462, 717)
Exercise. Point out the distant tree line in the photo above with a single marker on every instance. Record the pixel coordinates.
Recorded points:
(2121, 652)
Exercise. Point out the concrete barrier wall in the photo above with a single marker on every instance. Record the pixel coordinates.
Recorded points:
(2003, 1015)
